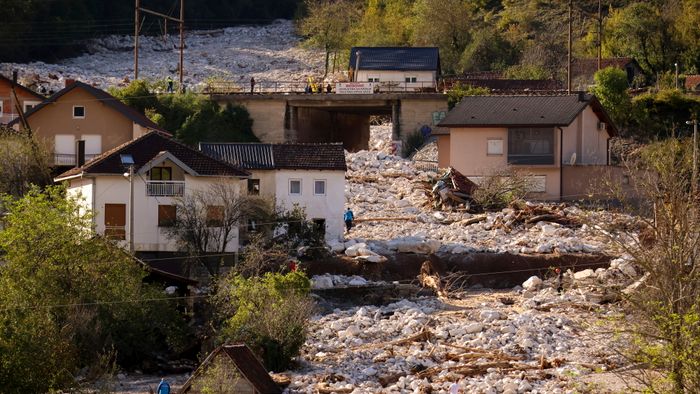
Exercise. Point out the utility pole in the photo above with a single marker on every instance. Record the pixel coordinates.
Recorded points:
(600, 35)
(694, 180)
(131, 209)
(182, 43)
(568, 72)
(136, 39)
(180, 21)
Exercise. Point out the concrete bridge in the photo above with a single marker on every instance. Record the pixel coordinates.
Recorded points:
(330, 117)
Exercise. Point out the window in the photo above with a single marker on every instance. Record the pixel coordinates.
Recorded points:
(166, 215)
(78, 112)
(161, 174)
(494, 147)
(372, 79)
(295, 186)
(253, 225)
(64, 150)
(320, 187)
(215, 216)
(254, 187)
(115, 221)
(410, 79)
(530, 146)
(93, 145)
(30, 104)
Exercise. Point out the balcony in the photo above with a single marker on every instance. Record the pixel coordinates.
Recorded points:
(68, 159)
(165, 188)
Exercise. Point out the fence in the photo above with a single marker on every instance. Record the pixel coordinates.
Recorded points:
(272, 87)
(426, 165)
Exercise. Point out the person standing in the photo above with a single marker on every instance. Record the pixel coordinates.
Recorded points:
(252, 84)
(163, 387)
(348, 217)
(170, 84)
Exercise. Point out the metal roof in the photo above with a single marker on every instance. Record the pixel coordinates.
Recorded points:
(254, 156)
(397, 58)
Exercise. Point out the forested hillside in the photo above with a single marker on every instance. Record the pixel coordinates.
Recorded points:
(48, 29)
(523, 38)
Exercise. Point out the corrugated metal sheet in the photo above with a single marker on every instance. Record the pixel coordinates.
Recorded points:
(244, 155)
(278, 156)
(397, 58)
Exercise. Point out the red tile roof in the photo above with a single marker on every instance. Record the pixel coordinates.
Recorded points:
(692, 82)
(147, 147)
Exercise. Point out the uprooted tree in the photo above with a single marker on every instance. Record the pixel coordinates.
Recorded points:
(663, 330)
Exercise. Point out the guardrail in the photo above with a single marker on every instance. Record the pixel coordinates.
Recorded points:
(281, 87)
(68, 159)
(165, 188)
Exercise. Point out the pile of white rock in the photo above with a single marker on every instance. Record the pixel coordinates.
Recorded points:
(422, 345)
(269, 53)
(328, 281)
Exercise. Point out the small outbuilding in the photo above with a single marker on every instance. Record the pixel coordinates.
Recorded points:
(231, 369)
(396, 68)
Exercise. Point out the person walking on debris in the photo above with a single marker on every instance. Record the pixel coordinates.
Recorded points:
(163, 387)
(329, 88)
(348, 217)
(170, 85)
(252, 84)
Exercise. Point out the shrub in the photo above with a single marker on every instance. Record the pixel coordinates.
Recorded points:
(269, 313)
(412, 143)
(499, 188)
(459, 91)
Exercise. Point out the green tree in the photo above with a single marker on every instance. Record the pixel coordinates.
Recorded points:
(23, 163)
(327, 25)
(663, 114)
(644, 31)
(611, 90)
(459, 91)
(488, 50)
(69, 297)
(270, 314)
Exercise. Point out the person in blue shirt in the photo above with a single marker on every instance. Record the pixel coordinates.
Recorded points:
(163, 387)
(348, 217)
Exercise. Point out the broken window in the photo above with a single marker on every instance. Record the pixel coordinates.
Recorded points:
(254, 187)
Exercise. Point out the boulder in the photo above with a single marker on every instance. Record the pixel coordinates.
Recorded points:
(532, 283)
(322, 282)
(585, 274)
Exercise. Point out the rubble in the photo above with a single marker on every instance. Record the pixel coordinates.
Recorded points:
(268, 53)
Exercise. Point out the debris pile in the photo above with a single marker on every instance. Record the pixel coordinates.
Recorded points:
(391, 200)
(479, 344)
(268, 53)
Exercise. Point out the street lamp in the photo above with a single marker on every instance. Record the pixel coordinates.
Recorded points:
(694, 122)
(128, 161)
(676, 64)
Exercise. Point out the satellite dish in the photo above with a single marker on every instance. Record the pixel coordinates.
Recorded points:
(572, 161)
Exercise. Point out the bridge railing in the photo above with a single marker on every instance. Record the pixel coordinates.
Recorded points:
(272, 87)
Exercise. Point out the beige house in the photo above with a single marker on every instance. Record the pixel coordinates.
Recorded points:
(83, 112)
(560, 142)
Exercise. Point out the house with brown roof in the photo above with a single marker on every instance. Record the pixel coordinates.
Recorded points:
(231, 369)
(83, 112)
(310, 175)
(26, 98)
(583, 70)
(560, 141)
(163, 170)
(692, 83)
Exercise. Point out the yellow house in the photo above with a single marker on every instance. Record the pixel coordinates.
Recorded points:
(560, 141)
(83, 112)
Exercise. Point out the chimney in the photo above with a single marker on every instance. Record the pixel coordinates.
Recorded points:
(69, 81)
(80, 153)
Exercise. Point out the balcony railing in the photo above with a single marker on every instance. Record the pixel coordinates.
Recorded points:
(165, 188)
(115, 232)
(68, 159)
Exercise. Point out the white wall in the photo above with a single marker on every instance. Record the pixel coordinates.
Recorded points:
(423, 78)
(329, 206)
(147, 235)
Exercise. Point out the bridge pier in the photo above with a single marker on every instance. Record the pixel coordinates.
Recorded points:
(395, 120)
(292, 130)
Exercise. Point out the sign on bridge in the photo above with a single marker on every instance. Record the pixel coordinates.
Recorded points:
(354, 88)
